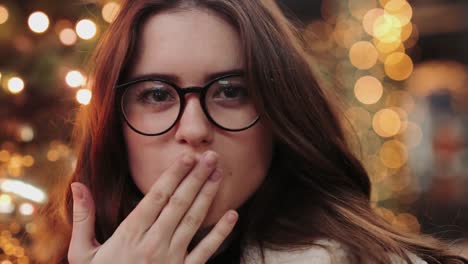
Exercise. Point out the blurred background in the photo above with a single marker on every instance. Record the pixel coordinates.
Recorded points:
(400, 67)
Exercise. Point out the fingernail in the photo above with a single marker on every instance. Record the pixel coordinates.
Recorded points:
(77, 192)
(216, 175)
(210, 159)
(188, 160)
(232, 217)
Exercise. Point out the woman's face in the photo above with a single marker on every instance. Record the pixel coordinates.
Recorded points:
(191, 45)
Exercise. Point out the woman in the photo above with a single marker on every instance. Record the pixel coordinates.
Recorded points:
(208, 139)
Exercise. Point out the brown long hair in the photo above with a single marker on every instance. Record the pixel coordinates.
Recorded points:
(317, 185)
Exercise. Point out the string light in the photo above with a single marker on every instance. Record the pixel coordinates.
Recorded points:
(86, 29)
(83, 96)
(3, 14)
(68, 36)
(110, 11)
(15, 85)
(386, 123)
(400, 9)
(75, 79)
(38, 22)
(368, 90)
(26, 209)
(369, 19)
(363, 55)
(398, 66)
(26, 133)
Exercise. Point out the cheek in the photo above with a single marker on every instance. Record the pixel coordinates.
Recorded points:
(146, 161)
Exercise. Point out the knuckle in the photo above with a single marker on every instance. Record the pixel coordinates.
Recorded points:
(80, 216)
(159, 197)
(191, 221)
(209, 192)
(177, 202)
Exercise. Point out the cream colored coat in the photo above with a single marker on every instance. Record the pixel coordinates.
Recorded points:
(335, 254)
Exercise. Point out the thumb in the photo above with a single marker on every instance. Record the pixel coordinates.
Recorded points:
(83, 235)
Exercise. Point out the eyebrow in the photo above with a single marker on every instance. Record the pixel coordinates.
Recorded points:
(175, 79)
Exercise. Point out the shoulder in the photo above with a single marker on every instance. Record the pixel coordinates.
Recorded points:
(325, 252)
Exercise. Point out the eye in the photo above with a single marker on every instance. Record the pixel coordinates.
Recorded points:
(156, 94)
(229, 90)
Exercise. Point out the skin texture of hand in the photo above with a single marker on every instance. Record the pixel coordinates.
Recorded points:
(160, 228)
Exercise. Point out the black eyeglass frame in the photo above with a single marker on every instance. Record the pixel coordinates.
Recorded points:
(181, 92)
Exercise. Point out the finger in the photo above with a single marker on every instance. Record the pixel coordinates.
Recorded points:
(182, 198)
(148, 209)
(83, 236)
(209, 244)
(194, 217)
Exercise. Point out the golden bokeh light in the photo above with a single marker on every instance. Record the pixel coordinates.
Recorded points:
(28, 161)
(407, 223)
(3, 14)
(110, 11)
(359, 8)
(368, 90)
(86, 29)
(386, 47)
(4, 156)
(383, 56)
(74, 79)
(398, 66)
(15, 85)
(369, 19)
(83, 96)
(413, 39)
(26, 133)
(386, 123)
(53, 155)
(363, 55)
(38, 22)
(387, 29)
(68, 36)
(406, 31)
(393, 154)
(400, 9)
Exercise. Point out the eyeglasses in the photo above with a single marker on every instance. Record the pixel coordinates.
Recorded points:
(152, 106)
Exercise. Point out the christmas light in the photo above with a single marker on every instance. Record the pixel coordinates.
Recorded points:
(86, 29)
(26, 133)
(15, 85)
(74, 79)
(363, 55)
(3, 14)
(110, 11)
(398, 66)
(368, 90)
(386, 123)
(26, 209)
(23, 189)
(83, 96)
(68, 36)
(38, 22)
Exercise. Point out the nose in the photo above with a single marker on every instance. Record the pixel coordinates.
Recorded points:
(193, 127)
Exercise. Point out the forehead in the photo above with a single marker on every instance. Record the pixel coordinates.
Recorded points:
(190, 44)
